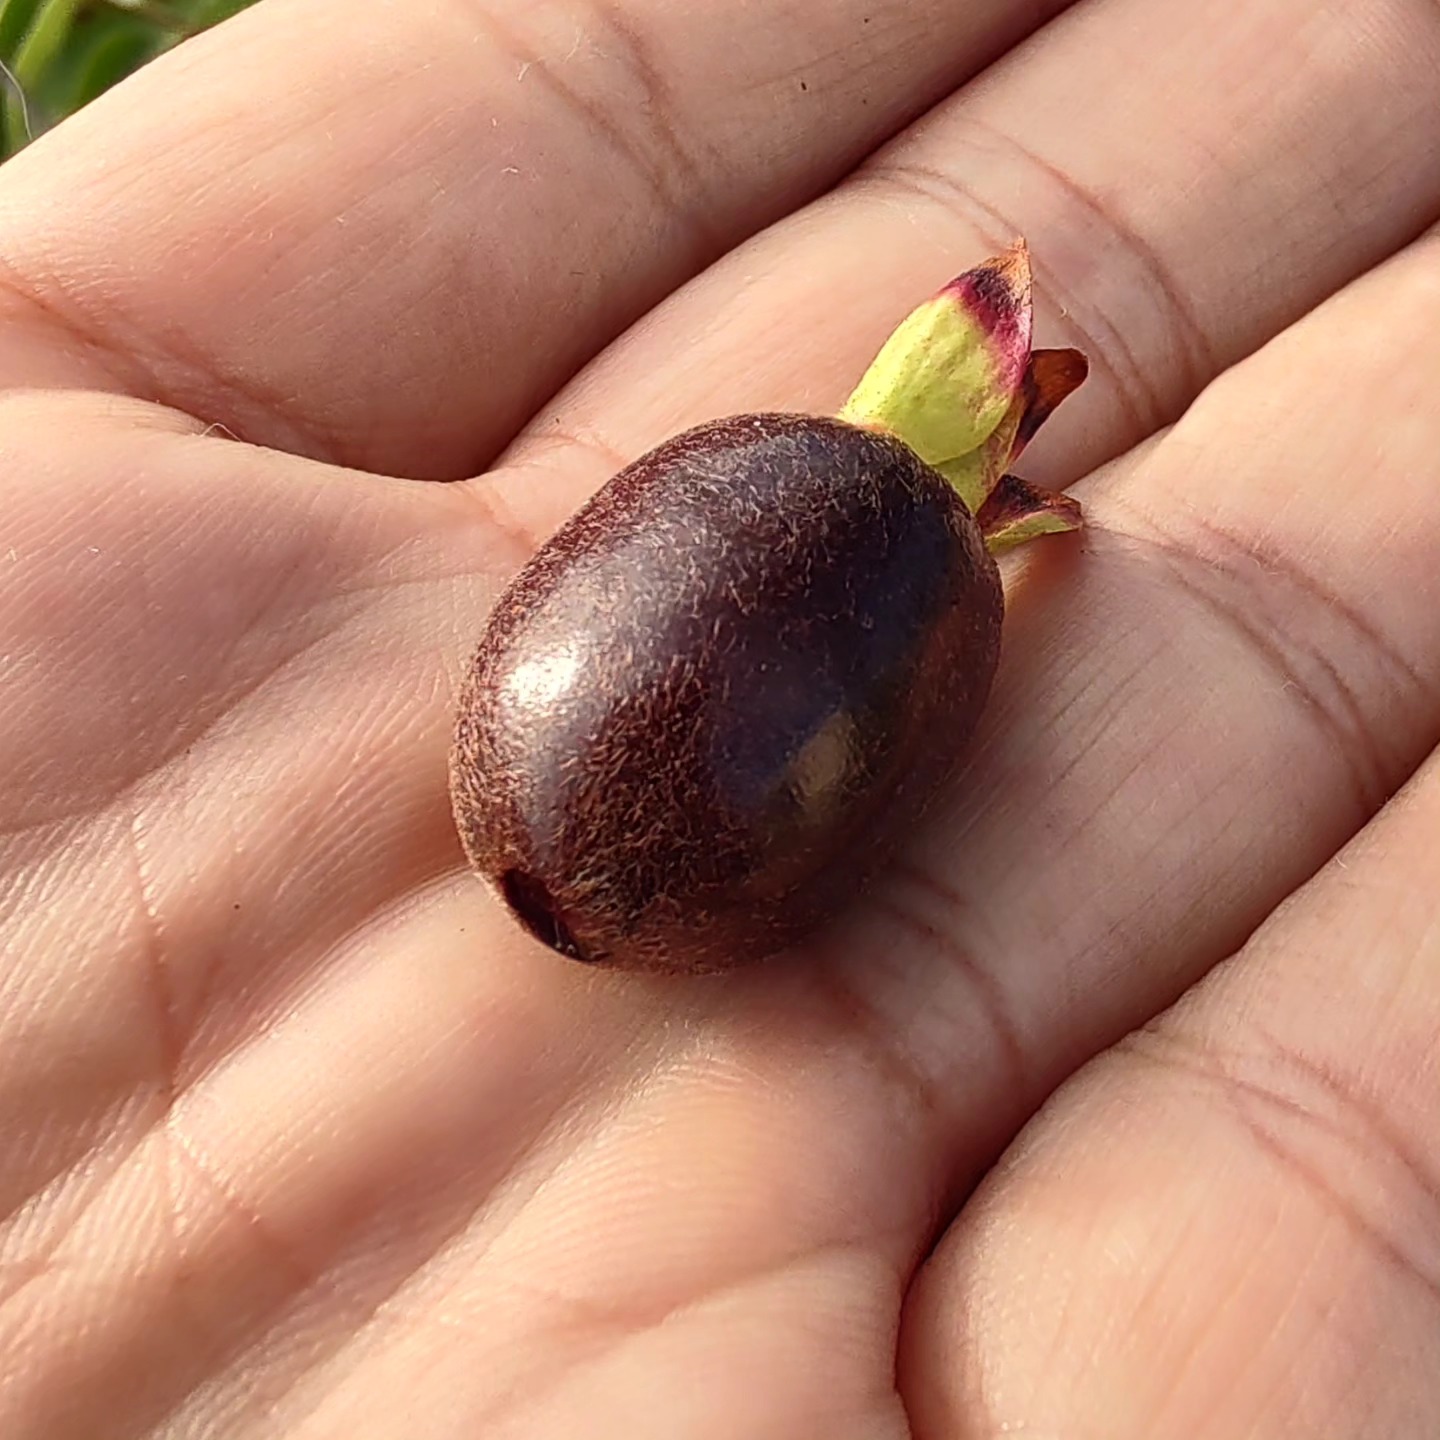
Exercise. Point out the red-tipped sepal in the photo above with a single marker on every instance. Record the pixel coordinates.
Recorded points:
(954, 370)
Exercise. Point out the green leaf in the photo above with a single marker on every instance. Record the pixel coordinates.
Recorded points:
(107, 46)
(39, 46)
(15, 18)
(212, 12)
(44, 39)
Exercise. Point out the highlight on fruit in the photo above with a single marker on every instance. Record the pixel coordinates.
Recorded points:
(708, 711)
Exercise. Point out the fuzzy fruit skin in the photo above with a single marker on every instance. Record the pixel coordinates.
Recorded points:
(713, 703)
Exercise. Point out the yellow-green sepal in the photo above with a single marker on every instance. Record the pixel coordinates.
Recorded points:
(1016, 511)
(952, 373)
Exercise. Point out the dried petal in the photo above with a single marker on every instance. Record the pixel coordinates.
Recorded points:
(1051, 377)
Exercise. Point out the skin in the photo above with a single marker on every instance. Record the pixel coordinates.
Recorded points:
(1110, 1115)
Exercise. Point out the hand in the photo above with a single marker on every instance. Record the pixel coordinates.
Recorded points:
(300, 1137)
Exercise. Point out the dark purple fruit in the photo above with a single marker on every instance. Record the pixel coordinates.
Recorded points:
(707, 710)
(712, 705)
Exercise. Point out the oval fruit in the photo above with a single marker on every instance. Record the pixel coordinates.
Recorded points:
(705, 712)
(712, 705)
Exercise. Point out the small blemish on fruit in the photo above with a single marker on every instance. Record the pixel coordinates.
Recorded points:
(532, 906)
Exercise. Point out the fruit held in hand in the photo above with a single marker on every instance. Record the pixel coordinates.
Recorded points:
(714, 702)
(695, 716)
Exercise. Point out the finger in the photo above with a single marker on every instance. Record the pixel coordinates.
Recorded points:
(386, 242)
(182, 782)
(228, 690)
(1176, 169)
(1227, 1226)
(1196, 708)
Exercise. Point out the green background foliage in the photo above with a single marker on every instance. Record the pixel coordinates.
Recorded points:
(63, 53)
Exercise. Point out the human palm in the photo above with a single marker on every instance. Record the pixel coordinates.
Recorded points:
(302, 1137)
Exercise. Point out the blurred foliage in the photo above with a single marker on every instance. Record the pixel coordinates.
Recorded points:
(61, 54)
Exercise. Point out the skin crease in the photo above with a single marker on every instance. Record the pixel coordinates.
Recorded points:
(301, 1137)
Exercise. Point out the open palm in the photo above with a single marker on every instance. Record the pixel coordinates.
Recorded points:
(301, 1137)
